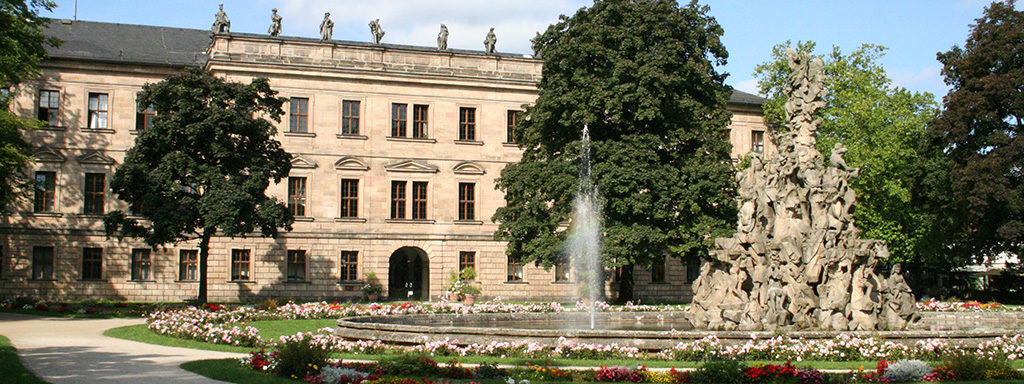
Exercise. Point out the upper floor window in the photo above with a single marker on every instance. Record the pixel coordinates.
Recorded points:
(188, 265)
(142, 264)
(349, 198)
(95, 192)
(419, 121)
(419, 200)
(42, 263)
(296, 265)
(398, 119)
(467, 123)
(49, 107)
(92, 263)
(298, 116)
(46, 187)
(144, 118)
(467, 201)
(98, 111)
(757, 141)
(511, 120)
(467, 259)
(297, 196)
(241, 265)
(398, 199)
(350, 117)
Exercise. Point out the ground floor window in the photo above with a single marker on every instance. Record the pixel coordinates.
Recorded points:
(562, 271)
(142, 264)
(658, 271)
(349, 265)
(188, 265)
(92, 263)
(42, 263)
(241, 264)
(515, 270)
(296, 265)
(467, 259)
(692, 269)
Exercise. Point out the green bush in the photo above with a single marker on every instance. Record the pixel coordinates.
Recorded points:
(300, 358)
(974, 367)
(719, 372)
(410, 365)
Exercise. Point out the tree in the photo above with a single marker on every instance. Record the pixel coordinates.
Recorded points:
(882, 126)
(204, 166)
(642, 75)
(22, 47)
(980, 130)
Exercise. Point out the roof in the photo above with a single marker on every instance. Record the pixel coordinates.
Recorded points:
(137, 44)
(147, 44)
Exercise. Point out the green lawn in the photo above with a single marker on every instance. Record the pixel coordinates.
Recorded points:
(230, 371)
(11, 369)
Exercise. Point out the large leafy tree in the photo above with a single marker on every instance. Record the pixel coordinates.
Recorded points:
(642, 75)
(882, 125)
(205, 165)
(22, 47)
(981, 131)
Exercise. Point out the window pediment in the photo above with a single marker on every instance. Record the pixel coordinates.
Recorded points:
(468, 168)
(350, 163)
(302, 162)
(48, 155)
(95, 157)
(412, 166)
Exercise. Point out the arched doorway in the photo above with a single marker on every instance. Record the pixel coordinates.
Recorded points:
(409, 274)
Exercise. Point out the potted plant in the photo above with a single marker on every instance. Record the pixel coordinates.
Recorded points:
(461, 286)
(372, 288)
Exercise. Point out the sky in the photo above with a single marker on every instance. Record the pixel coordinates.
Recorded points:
(913, 30)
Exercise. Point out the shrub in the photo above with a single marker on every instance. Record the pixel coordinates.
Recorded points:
(488, 371)
(973, 367)
(268, 304)
(300, 358)
(719, 372)
(408, 365)
(586, 376)
(907, 370)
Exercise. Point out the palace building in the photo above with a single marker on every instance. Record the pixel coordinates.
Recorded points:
(395, 154)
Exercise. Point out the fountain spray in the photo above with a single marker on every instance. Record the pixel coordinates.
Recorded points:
(584, 245)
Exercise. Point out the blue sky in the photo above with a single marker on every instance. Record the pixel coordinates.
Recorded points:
(912, 30)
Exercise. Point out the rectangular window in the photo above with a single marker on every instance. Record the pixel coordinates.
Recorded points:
(46, 187)
(240, 265)
(419, 200)
(511, 120)
(467, 259)
(142, 265)
(350, 117)
(658, 271)
(98, 111)
(95, 187)
(561, 271)
(42, 263)
(757, 141)
(467, 201)
(298, 116)
(49, 107)
(144, 118)
(296, 265)
(515, 270)
(349, 265)
(349, 198)
(92, 263)
(297, 196)
(397, 199)
(419, 121)
(398, 119)
(188, 265)
(692, 269)
(467, 123)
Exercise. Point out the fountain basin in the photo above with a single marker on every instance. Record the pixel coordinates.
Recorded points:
(647, 333)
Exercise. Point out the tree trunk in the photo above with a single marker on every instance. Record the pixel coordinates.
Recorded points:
(626, 284)
(204, 255)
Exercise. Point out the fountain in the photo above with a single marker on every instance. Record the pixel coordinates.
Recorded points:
(584, 245)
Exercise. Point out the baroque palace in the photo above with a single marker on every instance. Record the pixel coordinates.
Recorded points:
(396, 151)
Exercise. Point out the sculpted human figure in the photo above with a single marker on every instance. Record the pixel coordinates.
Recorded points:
(275, 23)
(490, 41)
(221, 24)
(442, 38)
(376, 31)
(326, 27)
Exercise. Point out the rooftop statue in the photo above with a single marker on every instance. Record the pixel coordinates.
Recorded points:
(796, 260)
(326, 27)
(376, 31)
(489, 41)
(221, 24)
(275, 23)
(442, 38)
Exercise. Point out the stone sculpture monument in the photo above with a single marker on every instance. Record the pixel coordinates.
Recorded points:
(796, 260)
(221, 24)
(489, 42)
(275, 23)
(376, 31)
(442, 38)
(326, 27)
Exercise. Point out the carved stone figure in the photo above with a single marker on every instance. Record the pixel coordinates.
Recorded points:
(275, 23)
(490, 41)
(221, 24)
(376, 31)
(326, 27)
(796, 259)
(442, 38)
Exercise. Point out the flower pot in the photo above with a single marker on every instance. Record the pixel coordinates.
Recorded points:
(454, 297)
(468, 300)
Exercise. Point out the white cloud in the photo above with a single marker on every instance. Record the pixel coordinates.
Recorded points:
(748, 86)
(907, 79)
(416, 22)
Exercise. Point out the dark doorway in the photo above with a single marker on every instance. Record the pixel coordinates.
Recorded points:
(409, 274)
